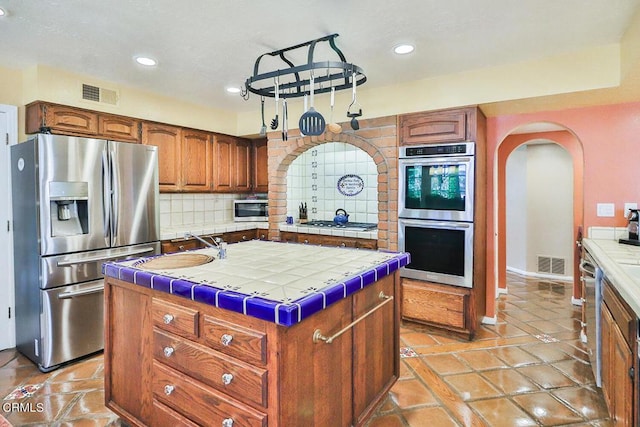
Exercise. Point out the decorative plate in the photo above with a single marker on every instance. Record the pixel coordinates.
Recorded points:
(350, 185)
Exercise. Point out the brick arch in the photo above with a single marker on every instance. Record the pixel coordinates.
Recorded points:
(377, 137)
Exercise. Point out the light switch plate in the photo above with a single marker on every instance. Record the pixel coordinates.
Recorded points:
(606, 209)
(628, 207)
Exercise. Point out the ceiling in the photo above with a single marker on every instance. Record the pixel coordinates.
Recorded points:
(203, 47)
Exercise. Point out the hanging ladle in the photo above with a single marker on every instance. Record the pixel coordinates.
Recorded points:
(333, 127)
(354, 122)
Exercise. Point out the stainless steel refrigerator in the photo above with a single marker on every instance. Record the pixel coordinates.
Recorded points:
(77, 202)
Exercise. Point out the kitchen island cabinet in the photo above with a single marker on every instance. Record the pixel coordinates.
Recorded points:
(184, 352)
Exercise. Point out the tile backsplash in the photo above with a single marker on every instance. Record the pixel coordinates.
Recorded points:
(313, 178)
(178, 209)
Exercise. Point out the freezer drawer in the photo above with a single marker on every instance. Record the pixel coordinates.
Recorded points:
(68, 269)
(72, 323)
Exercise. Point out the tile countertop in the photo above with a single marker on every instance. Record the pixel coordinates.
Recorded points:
(621, 266)
(282, 283)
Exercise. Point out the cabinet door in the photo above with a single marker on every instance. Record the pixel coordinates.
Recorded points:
(242, 151)
(167, 139)
(622, 392)
(376, 350)
(119, 128)
(260, 167)
(223, 163)
(69, 120)
(607, 362)
(196, 160)
(436, 127)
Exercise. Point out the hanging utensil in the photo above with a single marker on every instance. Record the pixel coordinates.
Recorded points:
(333, 127)
(354, 122)
(263, 129)
(274, 122)
(285, 119)
(311, 122)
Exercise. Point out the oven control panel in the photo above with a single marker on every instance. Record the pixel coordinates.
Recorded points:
(466, 148)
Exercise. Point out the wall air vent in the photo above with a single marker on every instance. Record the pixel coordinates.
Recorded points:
(551, 265)
(99, 94)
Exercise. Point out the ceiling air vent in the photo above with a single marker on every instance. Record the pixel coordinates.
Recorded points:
(99, 94)
(551, 265)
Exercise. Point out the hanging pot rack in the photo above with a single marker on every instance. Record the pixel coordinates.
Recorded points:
(294, 81)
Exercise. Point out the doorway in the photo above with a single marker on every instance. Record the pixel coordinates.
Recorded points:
(539, 211)
(565, 138)
(9, 136)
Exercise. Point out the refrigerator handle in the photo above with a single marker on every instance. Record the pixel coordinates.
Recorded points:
(87, 291)
(106, 194)
(114, 185)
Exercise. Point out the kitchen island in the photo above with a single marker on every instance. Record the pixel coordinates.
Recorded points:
(275, 334)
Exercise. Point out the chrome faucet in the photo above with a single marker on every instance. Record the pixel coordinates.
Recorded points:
(218, 244)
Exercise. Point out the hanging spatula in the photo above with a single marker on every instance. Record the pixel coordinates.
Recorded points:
(274, 122)
(311, 122)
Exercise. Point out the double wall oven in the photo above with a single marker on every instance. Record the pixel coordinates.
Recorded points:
(435, 209)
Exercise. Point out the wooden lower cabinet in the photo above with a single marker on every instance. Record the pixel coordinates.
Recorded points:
(441, 306)
(619, 356)
(326, 240)
(181, 245)
(171, 361)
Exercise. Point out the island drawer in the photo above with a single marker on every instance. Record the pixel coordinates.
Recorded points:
(235, 378)
(204, 405)
(244, 344)
(164, 416)
(177, 319)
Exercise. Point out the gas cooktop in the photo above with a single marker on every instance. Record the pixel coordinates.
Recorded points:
(355, 226)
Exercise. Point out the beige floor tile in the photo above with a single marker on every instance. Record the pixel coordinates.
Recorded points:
(546, 409)
(546, 376)
(429, 417)
(587, 402)
(481, 360)
(510, 381)
(446, 364)
(472, 386)
(409, 393)
(514, 356)
(502, 412)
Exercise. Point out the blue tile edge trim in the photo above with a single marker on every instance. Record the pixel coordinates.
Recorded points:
(285, 314)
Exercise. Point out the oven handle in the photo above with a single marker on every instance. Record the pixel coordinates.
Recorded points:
(436, 224)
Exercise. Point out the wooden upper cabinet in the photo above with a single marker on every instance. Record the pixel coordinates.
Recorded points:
(196, 160)
(223, 148)
(119, 128)
(260, 166)
(242, 151)
(60, 119)
(168, 141)
(438, 126)
(231, 164)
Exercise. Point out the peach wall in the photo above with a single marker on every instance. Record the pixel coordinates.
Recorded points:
(609, 137)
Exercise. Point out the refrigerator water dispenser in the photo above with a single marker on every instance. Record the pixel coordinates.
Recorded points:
(69, 201)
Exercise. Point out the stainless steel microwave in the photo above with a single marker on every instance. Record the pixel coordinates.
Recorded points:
(250, 210)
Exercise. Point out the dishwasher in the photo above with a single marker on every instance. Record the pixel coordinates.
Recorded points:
(591, 277)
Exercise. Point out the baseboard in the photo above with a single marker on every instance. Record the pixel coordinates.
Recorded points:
(489, 320)
(540, 275)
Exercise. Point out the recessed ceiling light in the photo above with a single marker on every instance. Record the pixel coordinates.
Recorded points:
(146, 61)
(403, 49)
(233, 89)
(2, 12)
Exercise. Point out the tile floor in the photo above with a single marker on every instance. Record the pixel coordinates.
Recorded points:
(530, 369)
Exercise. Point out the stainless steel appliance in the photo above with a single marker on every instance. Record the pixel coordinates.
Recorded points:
(437, 182)
(436, 211)
(591, 276)
(77, 202)
(250, 210)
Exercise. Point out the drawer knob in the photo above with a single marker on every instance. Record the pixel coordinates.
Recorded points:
(168, 351)
(226, 339)
(227, 422)
(167, 318)
(168, 389)
(227, 378)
